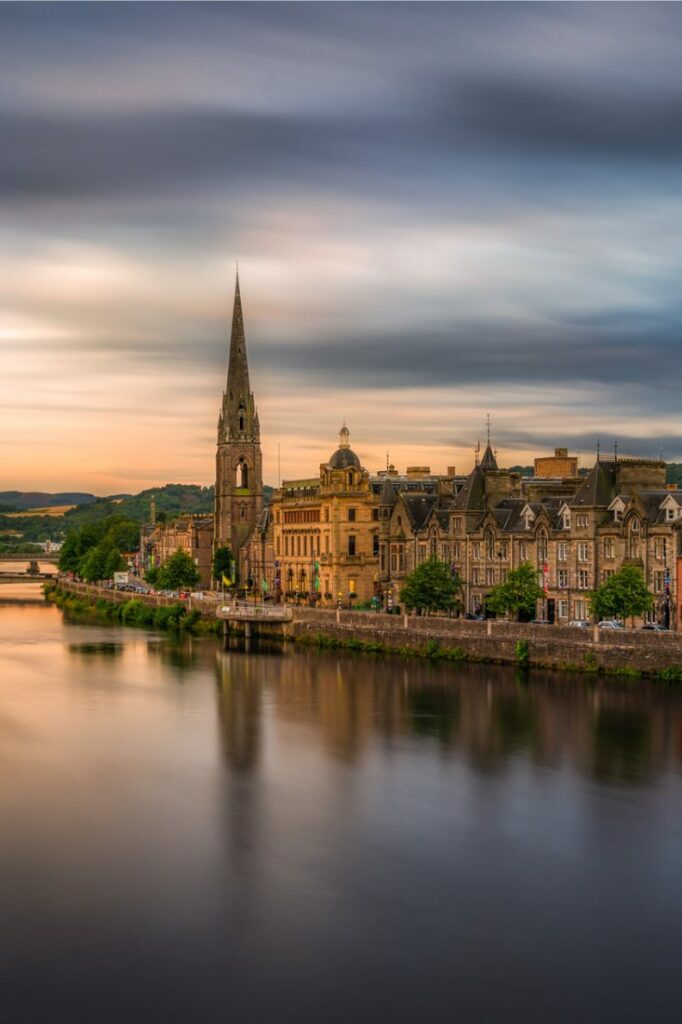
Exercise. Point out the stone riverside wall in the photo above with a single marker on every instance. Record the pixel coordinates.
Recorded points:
(121, 597)
(548, 646)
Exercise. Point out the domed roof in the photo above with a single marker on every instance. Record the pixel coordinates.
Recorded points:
(344, 457)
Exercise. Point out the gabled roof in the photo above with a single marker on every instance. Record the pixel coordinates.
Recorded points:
(599, 487)
(471, 497)
(418, 508)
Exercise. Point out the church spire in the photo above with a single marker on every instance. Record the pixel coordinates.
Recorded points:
(239, 411)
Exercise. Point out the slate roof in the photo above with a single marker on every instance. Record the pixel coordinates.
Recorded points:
(598, 488)
(418, 508)
(471, 497)
(488, 462)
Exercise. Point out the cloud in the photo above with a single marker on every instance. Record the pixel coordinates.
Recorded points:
(439, 210)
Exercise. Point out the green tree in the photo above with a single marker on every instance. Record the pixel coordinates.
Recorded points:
(223, 561)
(622, 595)
(430, 587)
(178, 572)
(518, 594)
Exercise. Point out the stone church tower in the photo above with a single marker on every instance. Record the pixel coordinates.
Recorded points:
(239, 474)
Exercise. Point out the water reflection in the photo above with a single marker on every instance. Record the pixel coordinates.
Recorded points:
(617, 733)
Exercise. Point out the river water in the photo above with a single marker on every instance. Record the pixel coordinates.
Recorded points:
(193, 834)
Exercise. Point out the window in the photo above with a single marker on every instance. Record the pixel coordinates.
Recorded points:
(660, 548)
(671, 514)
(523, 551)
(457, 523)
(562, 551)
(490, 544)
(277, 547)
(583, 552)
(583, 579)
(490, 577)
(326, 515)
(375, 544)
(326, 543)
(475, 577)
(659, 582)
(457, 552)
(581, 522)
(563, 579)
(298, 545)
(634, 525)
(375, 514)
(351, 515)
(351, 544)
(394, 558)
(305, 545)
(383, 557)
(542, 548)
(566, 521)
(607, 574)
(609, 548)
(242, 474)
(563, 609)
(504, 549)
(444, 553)
(617, 514)
(476, 551)
(580, 608)
(421, 554)
(401, 558)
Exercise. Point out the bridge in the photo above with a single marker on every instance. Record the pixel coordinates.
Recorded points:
(253, 614)
(30, 556)
(26, 577)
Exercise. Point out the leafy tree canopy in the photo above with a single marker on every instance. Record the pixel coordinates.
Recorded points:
(178, 573)
(223, 563)
(430, 587)
(622, 595)
(517, 594)
(113, 534)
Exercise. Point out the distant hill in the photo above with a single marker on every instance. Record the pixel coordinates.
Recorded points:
(21, 500)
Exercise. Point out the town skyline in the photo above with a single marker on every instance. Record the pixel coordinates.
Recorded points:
(439, 211)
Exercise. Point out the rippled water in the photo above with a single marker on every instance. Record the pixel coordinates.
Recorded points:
(192, 834)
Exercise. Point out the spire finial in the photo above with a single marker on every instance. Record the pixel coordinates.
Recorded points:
(387, 460)
(487, 427)
(615, 451)
(477, 450)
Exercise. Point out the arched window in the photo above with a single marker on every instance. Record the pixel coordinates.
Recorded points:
(242, 474)
(490, 544)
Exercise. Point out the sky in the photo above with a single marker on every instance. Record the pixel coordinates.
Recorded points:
(439, 212)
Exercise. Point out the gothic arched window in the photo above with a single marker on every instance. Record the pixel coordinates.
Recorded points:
(242, 474)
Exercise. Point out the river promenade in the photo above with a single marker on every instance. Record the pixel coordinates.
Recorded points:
(593, 650)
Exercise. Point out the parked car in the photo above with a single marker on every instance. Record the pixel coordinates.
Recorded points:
(579, 623)
(473, 618)
(610, 624)
(653, 627)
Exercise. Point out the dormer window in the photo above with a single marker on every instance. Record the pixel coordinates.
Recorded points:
(566, 521)
(618, 515)
(671, 513)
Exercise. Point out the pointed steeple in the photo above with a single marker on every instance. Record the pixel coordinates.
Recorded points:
(488, 462)
(239, 411)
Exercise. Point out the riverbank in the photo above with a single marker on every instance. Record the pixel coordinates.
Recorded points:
(625, 652)
(131, 611)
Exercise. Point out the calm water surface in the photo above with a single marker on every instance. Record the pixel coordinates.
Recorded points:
(193, 834)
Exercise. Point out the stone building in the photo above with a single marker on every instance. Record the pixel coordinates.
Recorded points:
(190, 533)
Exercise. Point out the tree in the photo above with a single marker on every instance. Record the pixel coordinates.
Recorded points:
(621, 595)
(101, 562)
(430, 587)
(223, 561)
(518, 594)
(179, 572)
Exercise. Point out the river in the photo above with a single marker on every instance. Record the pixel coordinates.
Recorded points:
(193, 834)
